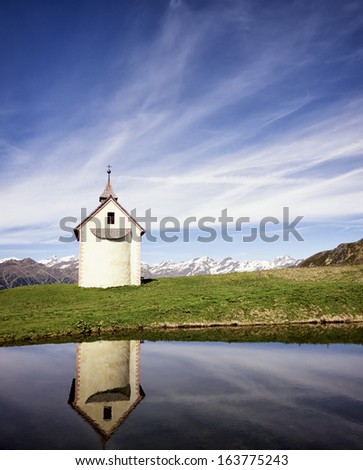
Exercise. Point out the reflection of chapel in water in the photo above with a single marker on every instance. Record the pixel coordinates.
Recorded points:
(107, 384)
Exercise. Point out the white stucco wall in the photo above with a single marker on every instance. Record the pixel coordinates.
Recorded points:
(109, 263)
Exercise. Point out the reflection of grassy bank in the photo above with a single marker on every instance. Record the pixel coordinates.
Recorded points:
(320, 295)
(324, 334)
(298, 334)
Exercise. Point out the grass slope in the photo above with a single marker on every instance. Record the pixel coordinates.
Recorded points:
(298, 295)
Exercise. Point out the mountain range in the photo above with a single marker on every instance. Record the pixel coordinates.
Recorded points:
(15, 272)
(206, 265)
(25, 272)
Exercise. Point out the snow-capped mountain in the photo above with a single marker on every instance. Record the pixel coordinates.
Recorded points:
(206, 265)
(3, 260)
(15, 272)
(61, 263)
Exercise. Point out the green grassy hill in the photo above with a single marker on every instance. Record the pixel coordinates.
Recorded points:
(325, 294)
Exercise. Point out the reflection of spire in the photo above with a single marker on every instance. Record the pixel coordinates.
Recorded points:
(107, 384)
(108, 191)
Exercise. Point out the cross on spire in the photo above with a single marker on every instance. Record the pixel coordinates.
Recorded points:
(109, 173)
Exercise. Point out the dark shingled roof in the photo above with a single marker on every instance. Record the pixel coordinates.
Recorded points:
(107, 192)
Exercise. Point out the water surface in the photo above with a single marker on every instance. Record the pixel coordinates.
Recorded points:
(175, 395)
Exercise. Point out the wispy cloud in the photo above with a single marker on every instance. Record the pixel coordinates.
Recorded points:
(229, 105)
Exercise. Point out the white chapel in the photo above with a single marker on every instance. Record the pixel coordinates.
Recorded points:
(107, 387)
(110, 244)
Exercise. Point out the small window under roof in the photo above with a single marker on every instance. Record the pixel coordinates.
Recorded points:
(110, 218)
(107, 413)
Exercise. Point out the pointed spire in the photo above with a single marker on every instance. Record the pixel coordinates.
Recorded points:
(108, 191)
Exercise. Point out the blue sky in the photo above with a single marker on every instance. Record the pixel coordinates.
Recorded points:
(199, 106)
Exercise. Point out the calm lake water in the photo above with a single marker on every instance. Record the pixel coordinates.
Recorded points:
(175, 395)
